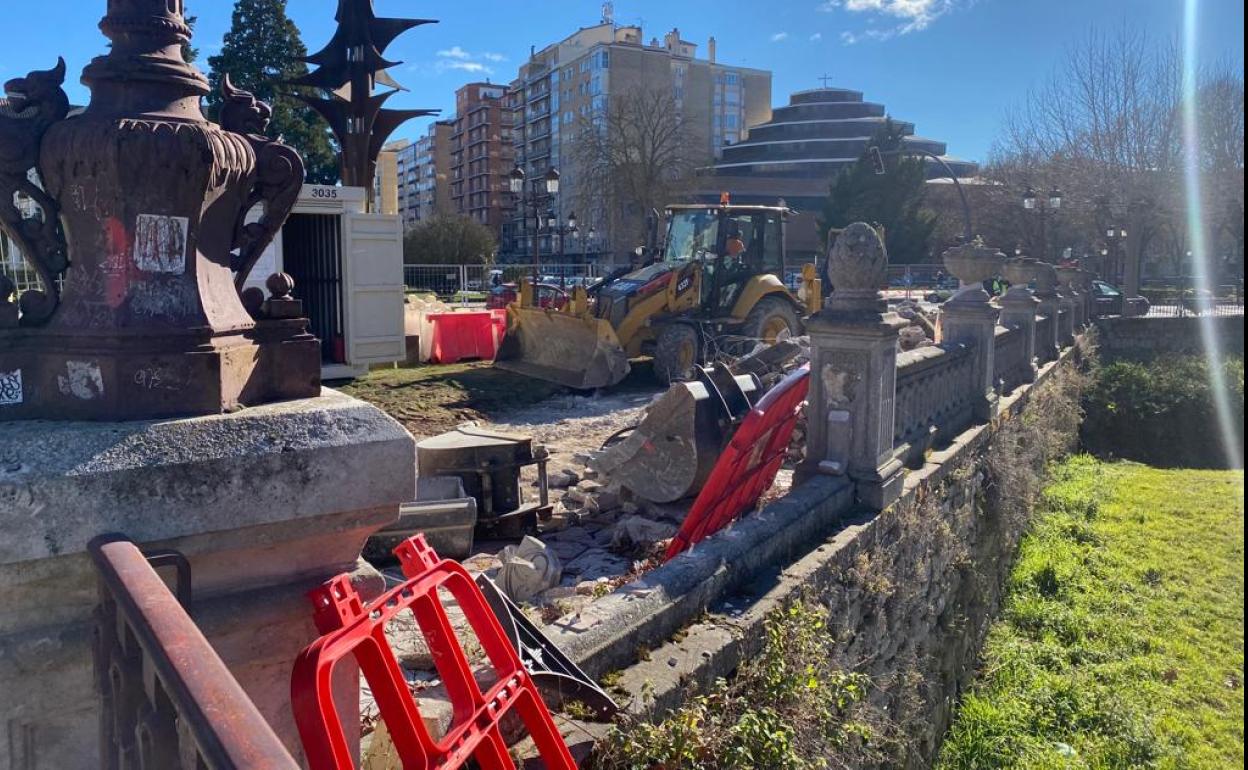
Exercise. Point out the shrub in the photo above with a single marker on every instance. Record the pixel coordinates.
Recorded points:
(1162, 412)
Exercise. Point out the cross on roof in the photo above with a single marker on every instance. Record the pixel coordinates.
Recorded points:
(825, 80)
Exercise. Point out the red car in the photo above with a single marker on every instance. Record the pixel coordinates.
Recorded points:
(507, 293)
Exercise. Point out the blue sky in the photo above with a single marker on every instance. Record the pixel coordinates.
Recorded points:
(951, 66)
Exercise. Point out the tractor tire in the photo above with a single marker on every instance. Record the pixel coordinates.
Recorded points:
(771, 319)
(677, 353)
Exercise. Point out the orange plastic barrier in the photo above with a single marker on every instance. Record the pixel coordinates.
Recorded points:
(463, 336)
(351, 627)
(748, 467)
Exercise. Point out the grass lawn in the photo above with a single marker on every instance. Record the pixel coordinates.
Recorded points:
(1121, 644)
(435, 398)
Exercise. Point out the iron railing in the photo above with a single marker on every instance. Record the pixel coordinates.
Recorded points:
(166, 698)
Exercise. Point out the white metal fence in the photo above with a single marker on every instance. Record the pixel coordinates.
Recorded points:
(471, 283)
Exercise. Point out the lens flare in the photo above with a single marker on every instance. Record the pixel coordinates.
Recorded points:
(1229, 430)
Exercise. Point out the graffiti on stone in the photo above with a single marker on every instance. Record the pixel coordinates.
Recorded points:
(11, 388)
(160, 243)
(82, 380)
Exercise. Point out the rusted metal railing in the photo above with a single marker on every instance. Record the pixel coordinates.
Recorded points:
(166, 698)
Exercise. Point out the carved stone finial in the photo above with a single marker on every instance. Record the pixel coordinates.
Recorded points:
(857, 269)
(157, 204)
(973, 263)
(281, 305)
(280, 285)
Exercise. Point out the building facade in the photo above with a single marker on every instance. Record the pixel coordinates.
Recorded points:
(482, 155)
(568, 84)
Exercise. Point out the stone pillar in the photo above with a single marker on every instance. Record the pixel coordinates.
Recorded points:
(1066, 317)
(266, 503)
(1018, 309)
(1045, 280)
(1089, 296)
(854, 372)
(968, 318)
(1068, 279)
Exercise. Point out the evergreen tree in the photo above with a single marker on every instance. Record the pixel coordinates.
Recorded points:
(893, 199)
(261, 51)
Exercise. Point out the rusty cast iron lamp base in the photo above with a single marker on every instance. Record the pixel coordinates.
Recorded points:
(143, 241)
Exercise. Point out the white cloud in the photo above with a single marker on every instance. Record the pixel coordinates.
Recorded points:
(815, 38)
(456, 58)
(779, 37)
(901, 17)
(464, 66)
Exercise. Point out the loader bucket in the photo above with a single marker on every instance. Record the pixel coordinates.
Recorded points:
(580, 352)
(672, 452)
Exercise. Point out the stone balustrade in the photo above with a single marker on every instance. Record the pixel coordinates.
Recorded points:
(934, 398)
(1011, 364)
(873, 411)
(1046, 329)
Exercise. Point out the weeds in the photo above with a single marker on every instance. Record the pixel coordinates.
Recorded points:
(787, 709)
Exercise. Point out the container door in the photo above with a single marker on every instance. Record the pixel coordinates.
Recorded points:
(372, 253)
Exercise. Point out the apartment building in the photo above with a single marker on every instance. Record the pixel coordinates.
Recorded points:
(422, 169)
(575, 79)
(482, 155)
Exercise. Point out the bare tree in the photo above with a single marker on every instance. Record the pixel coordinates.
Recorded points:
(638, 154)
(1106, 128)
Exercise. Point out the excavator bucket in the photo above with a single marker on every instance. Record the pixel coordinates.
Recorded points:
(670, 455)
(577, 351)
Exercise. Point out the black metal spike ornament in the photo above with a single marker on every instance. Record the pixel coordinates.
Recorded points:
(349, 68)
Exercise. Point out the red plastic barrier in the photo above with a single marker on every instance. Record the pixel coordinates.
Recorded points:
(500, 325)
(748, 466)
(351, 627)
(462, 336)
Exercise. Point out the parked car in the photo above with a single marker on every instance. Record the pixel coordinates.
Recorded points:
(1108, 298)
(547, 296)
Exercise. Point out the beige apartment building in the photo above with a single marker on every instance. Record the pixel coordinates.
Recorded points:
(575, 79)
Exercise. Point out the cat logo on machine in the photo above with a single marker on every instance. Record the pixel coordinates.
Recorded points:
(683, 284)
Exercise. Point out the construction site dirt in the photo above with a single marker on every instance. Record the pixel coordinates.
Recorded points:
(597, 537)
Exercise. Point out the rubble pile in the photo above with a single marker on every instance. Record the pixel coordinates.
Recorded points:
(921, 332)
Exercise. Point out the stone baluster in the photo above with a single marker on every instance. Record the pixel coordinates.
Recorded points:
(854, 372)
(1018, 309)
(970, 319)
(1089, 297)
(1044, 278)
(1070, 301)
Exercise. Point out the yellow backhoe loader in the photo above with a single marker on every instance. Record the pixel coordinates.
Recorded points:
(712, 291)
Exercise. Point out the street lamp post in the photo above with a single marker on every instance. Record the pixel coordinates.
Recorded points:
(550, 184)
(1043, 206)
(877, 160)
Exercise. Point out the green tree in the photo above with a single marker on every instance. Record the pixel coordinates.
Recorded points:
(261, 51)
(893, 199)
(448, 239)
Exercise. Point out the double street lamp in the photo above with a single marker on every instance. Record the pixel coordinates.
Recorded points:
(550, 188)
(1043, 206)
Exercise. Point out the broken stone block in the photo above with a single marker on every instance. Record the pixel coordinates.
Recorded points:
(528, 569)
(567, 550)
(563, 479)
(640, 532)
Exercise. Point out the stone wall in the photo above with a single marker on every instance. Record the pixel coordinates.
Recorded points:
(911, 589)
(1151, 336)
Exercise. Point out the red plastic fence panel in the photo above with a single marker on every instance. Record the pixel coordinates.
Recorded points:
(351, 627)
(748, 466)
(461, 336)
